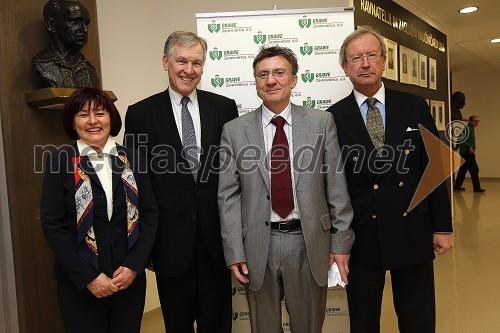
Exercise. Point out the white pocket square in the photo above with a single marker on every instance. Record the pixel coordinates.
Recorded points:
(409, 129)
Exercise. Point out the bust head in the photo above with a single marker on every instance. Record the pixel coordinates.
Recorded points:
(67, 22)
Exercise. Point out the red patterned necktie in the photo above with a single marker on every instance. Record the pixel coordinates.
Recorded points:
(281, 175)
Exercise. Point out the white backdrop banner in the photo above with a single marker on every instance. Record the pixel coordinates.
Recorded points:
(315, 35)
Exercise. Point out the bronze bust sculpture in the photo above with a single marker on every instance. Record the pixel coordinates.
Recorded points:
(61, 65)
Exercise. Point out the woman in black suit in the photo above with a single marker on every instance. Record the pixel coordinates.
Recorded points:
(99, 216)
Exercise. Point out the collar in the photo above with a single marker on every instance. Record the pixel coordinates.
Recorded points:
(379, 95)
(108, 149)
(267, 115)
(176, 97)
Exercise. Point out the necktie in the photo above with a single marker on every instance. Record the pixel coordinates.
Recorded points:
(189, 138)
(281, 175)
(374, 123)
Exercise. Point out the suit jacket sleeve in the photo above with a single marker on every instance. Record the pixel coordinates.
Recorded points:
(139, 255)
(56, 219)
(339, 203)
(229, 199)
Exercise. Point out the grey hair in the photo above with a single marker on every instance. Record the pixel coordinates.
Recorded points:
(186, 39)
(360, 31)
(276, 50)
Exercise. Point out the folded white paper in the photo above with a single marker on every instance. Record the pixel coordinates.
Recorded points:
(334, 277)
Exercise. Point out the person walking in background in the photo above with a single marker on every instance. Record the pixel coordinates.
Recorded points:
(467, 149)
(99, 216)
(181, 128)
(457, 104)
(375, 123)
(285, 213)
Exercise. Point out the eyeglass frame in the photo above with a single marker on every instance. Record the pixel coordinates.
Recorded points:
(358, 59)
(278, 73)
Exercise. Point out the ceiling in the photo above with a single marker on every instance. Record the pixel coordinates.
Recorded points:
(469, 35)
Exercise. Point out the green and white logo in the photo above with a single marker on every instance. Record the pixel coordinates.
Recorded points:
(215, 54)
(310, 103)
(259, 38)
(233, 291)
(235, 316)
(217, 81)
(214, 27)
(306, 49)
(304, 22)
(307, 77)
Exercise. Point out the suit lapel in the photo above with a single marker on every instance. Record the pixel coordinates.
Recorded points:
(300, 136)
(117, 167)
(207, 124)
(255, 136)
(354, 126)
(396, 120)
(166, 120)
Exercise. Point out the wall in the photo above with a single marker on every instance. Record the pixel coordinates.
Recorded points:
(132, 35)
(481, 101)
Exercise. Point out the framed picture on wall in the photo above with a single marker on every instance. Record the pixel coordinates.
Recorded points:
(384, 73)
(434, 112)
(404, 62)
(432, 74)
(422, 70)
(414, 67)
(441, 116)
(391, 63)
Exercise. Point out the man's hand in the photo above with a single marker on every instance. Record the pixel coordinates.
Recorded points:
(442, 242)
(342, 261)
(123, 277)
(240, 271)
(102, 286)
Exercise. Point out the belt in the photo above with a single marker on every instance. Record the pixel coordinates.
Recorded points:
(286, 225)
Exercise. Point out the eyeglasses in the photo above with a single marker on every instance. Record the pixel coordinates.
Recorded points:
(357, 59)
(277, 73)
(85, 114)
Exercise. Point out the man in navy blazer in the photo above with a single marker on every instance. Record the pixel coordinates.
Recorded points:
(193, 281)
(381, 182)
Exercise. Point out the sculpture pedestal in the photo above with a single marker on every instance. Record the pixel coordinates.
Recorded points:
(54, 98)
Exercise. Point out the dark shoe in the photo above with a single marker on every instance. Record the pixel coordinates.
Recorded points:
(481, 190)
(461, 189)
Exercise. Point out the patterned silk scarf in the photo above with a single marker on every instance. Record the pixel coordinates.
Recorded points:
(86, 241)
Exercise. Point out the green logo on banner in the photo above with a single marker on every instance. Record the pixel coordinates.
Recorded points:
(214, 27)
(235, 316)
(310, 103)
(304, 22)
(306, 49)
(233, 291)
(217, 81)
(215, 54)
(307, 77)
(259, 38)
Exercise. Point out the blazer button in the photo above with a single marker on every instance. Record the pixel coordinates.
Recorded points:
(268, 197)
(405, 214)
(193, 217)
(267, 223)
(375, 187)
(401, 184)
(354, 158)
(374, 216)
(407, 151)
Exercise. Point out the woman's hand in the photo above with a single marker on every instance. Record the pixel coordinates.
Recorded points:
(123, 277)
(102, 286)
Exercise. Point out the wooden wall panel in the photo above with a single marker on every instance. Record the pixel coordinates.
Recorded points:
(22, 35)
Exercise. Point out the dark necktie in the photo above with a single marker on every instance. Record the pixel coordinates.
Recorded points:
(374, 123)
(189, 138)
(281, 173)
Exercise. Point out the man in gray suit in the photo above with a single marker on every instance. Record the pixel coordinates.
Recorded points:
(285, 211)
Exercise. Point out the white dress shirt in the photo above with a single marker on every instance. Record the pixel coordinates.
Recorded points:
(102, 166)
(269, 131)
(194, 110)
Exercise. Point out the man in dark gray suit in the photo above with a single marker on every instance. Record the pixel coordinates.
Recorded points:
(285, 211)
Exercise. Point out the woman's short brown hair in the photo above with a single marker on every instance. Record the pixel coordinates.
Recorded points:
(99, 99)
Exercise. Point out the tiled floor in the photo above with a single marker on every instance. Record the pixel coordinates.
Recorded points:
(467, 289)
